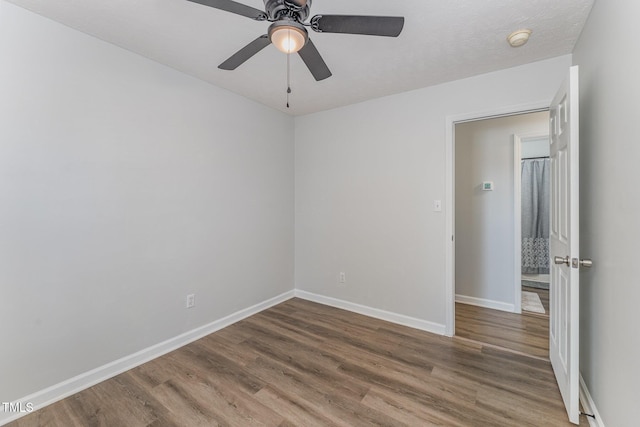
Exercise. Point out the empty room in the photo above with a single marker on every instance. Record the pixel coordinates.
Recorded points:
(262, 212)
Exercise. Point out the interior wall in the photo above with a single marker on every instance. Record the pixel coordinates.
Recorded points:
(125, 186)
(609, 208)
(536, 147)
(367, 176)
(484, 220)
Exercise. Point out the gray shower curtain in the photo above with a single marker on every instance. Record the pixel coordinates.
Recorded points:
(535, 216)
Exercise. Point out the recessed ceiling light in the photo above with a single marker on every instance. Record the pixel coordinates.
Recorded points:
(519, 37)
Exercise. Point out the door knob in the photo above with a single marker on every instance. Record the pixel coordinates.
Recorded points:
(561, 260)
(586, 263)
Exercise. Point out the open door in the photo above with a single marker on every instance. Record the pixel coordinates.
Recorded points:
(563, 242)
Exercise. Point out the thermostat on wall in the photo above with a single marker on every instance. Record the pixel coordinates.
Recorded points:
(487, 186)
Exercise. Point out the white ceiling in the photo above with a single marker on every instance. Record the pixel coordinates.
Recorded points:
(442, 40)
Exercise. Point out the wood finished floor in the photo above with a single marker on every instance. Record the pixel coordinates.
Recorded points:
(305, 364)
(527, 333)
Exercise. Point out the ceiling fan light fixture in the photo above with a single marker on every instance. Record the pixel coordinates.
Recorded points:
(288, 38)
(519, 38)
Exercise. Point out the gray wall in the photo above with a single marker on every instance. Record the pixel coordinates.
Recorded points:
(366, 179)
(607, 54)
(485, 258)
(124, 186)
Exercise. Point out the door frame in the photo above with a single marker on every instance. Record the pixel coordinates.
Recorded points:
(451, 122)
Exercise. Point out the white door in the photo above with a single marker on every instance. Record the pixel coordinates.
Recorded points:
(564, 292)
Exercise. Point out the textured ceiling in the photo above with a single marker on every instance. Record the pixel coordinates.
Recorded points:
(442, 40)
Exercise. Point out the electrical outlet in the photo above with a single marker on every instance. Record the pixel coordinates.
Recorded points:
(343, 277)
(191, 300)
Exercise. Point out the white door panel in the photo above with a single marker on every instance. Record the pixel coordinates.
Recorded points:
(564, 241)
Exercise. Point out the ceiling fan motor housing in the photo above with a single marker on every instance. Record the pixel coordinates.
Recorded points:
(278, 9)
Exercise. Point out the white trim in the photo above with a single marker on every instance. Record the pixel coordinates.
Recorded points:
(517, 223)
(80, 382)
(83, 381)
(588, 406)
(451, 121)
(450, 244)
(400, 319)
(486, 303)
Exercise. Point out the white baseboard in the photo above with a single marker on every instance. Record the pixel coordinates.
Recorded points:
(486, 303)
(400, 319)
(588, 406)
(83, 381)
(78, 383)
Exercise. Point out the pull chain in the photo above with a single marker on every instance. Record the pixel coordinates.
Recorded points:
(288, 77)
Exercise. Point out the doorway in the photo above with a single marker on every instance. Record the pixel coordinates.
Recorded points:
(490, 250)
(533, 190)
(564, 239)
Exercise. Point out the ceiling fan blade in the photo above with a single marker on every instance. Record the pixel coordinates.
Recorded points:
(234, 7)
(389, 26)
(314, 61)
(241, 56)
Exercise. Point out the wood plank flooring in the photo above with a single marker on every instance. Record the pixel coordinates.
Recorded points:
(527, 333)
(305, 364)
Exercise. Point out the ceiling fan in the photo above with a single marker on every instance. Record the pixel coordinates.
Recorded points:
(288, 33)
